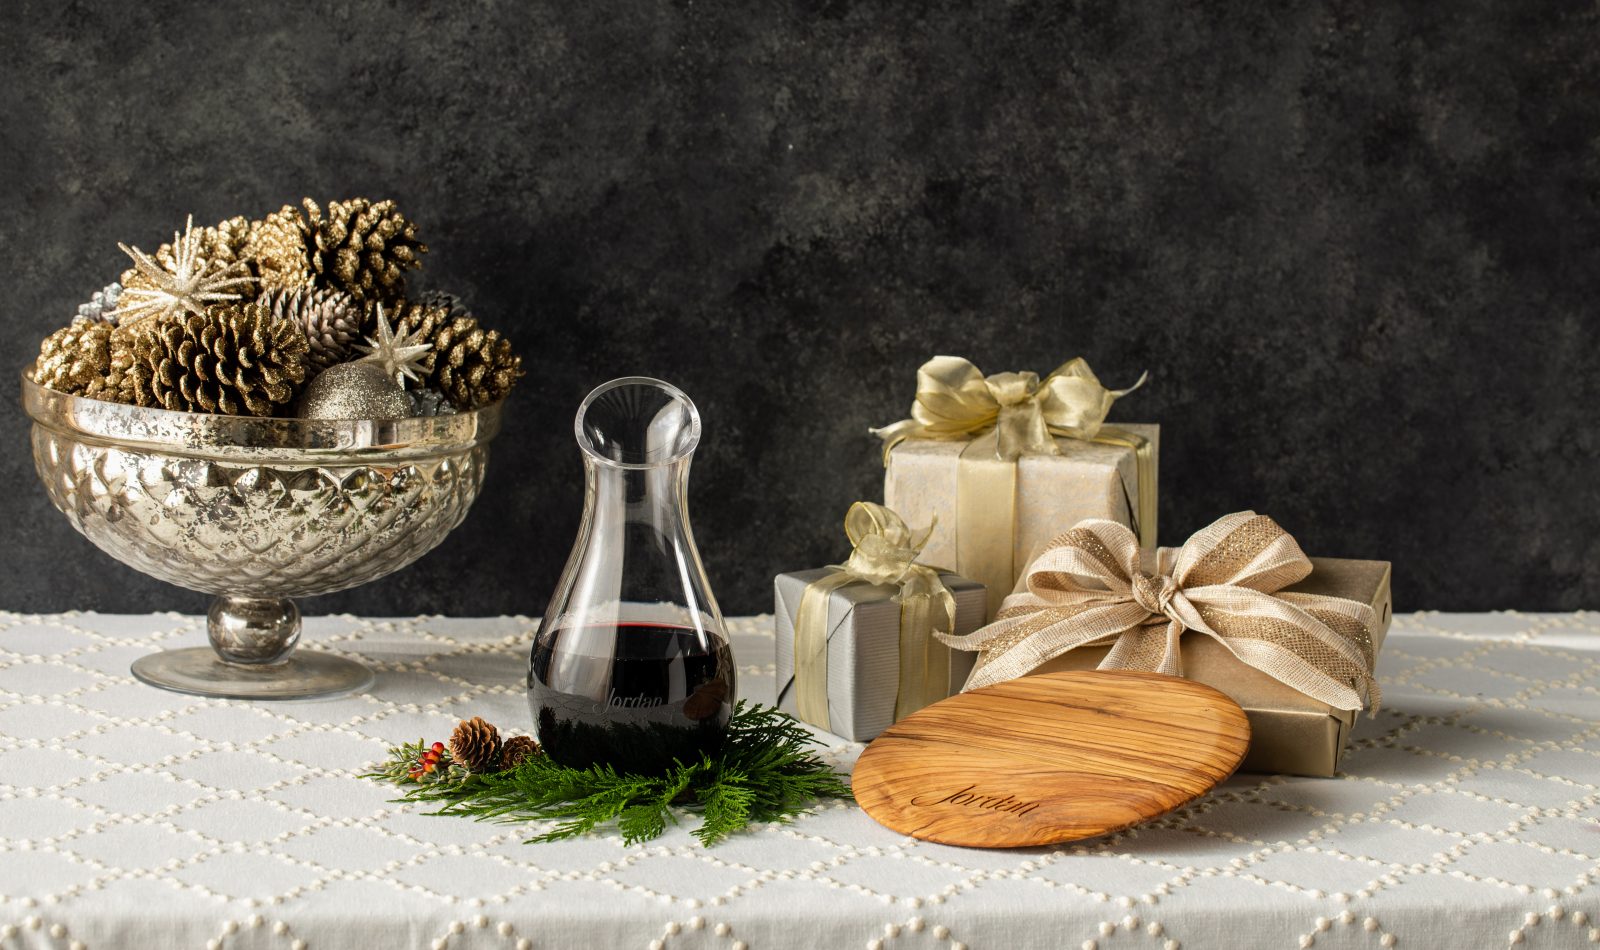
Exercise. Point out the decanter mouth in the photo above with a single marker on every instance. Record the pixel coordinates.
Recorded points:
(637, 422)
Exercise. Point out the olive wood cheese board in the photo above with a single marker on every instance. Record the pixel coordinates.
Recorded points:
(1055, 757)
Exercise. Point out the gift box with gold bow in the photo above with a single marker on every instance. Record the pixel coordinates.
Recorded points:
(856, 648)
(998, 464)
(1293, 640)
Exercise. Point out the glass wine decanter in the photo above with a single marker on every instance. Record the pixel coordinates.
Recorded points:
(631, 667)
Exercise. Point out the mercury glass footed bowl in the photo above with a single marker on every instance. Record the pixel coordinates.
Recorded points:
(256, 511)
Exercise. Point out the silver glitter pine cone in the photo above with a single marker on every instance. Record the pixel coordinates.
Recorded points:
(102, 307)
(331, 319)
(430, 402)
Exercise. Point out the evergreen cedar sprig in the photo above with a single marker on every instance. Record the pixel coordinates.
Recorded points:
(764, 773)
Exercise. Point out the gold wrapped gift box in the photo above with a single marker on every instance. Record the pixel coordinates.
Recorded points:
(1087, 480)
(1291, 733)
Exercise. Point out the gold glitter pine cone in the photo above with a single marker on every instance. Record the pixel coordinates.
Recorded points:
(234, 360)
(280, 246)
(518, 749)
(472, 366)
(475, 744)
(74, 358)
(359, 246)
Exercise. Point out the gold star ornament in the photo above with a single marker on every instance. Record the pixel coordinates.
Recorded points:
(401, 357)
(192, 283)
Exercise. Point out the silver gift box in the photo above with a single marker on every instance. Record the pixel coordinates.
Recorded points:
(864, 648)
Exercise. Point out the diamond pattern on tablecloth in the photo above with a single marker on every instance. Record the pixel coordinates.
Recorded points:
(1472, 802)
(1517, 863)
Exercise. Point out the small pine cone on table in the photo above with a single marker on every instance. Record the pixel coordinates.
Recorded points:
(73, 358)
(475, 745)
(234, 360)
(518, 749)
(331, 321)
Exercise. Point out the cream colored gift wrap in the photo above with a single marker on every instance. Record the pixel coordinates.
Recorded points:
(997, 464)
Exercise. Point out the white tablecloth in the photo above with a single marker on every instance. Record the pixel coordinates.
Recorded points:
(1468, 816)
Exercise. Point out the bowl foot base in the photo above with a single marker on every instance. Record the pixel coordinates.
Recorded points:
(305, 674)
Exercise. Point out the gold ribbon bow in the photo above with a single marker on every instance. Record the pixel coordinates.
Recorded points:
(1005, 416)
(1088, 587)
(956, 402)
(885, 553)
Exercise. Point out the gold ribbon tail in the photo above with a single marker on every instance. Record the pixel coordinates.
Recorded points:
(913, 691)
(927, 608)
(811, 648)
(986, 519)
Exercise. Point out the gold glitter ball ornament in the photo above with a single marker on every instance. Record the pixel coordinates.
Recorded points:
(358, 390)
(73, 358)
(475, 744)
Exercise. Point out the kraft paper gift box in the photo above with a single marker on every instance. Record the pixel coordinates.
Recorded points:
(1290, 732)
(1053, 493)
(863, 633)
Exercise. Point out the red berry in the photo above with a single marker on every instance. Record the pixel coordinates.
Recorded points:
(437, 747)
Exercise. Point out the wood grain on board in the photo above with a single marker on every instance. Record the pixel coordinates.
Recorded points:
(1044, 759)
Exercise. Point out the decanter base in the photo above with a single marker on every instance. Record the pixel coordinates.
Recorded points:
(305, 674)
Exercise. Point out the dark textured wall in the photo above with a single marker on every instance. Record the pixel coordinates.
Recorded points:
(1357, 246)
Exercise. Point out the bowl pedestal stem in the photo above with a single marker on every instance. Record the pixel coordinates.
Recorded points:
(252, 657)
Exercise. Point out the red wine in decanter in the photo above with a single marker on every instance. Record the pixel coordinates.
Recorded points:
(635, 696)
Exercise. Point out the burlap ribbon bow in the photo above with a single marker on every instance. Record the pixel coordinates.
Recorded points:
(955, 401)
(885, 553)
(1088, 587)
